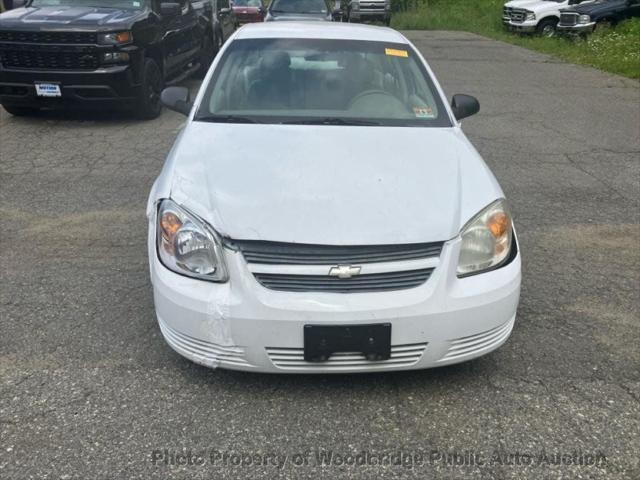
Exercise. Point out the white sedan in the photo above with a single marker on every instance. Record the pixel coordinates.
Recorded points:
(322, 211)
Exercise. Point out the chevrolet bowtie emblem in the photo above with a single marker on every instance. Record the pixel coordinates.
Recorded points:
(344, 271)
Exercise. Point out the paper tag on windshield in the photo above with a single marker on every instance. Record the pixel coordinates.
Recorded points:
(396, 53)
(423, 112)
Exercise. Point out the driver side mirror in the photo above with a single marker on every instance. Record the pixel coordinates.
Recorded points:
(464, 106)
(170, 9)
(177, 99)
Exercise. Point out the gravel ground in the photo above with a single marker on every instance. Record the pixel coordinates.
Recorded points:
(89, 390)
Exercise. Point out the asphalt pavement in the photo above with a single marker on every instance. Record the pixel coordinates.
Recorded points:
(89, 390)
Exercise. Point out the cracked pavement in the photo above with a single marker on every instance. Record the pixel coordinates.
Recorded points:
(89, 389)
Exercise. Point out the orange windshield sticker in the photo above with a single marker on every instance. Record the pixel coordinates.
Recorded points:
(396, 53)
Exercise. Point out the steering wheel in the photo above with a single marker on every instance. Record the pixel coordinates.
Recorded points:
(368, 93)
(366, 102)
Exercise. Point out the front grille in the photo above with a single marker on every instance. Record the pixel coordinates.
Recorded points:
(85, 38)
(372, 6)
(203, 352)
(516, 15)
(277, 253)
(374, 282)
(475, 345)
(293, 359)
(49, 60)
(568, 19)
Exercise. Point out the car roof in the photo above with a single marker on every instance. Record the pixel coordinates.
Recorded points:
(325, 30)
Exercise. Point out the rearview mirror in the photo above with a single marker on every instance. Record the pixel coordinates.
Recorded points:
(464, 106)
(177, 99)
(170, 9)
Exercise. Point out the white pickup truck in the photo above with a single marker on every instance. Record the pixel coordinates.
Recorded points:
(535, 16)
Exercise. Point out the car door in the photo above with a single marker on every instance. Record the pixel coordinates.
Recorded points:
(633, 8)
(181, 41)
(226, 18)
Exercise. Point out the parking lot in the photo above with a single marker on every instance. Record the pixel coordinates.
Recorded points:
(89, 389)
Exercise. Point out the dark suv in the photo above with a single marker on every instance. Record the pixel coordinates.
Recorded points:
(584, 18)
(98, 53)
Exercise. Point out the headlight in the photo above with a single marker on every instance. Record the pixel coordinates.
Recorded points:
(584, 19)
(530, 16)
(187, 245)
(486, 240)
(117, 38)
(115, 57)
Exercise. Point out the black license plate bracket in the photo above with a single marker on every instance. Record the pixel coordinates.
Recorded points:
(373, 341)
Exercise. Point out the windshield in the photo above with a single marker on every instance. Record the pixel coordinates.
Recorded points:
(121, 4)
(324, 82)
(298, 6)
(247, 3)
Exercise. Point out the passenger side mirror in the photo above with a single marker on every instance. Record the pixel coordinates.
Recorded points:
(464, 106)
(177, 99)
(170, 9)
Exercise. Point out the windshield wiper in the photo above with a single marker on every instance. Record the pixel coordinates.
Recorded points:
(331, 121)
(224, 119)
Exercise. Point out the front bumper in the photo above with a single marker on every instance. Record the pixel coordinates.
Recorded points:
(523, 27)
(576, 29)
(112, 86)
(242, 325)
(366, 15)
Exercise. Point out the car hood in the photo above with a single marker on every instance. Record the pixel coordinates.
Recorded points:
(330, 185)
(596, 6)
(536, 5)
(298, 17)
(521, 3)
(240, 9)
(35, 18)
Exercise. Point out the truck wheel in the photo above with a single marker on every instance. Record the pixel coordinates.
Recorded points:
(603, 25)
(547, 27)
(20, 111)
(149, 105)
(207, 55)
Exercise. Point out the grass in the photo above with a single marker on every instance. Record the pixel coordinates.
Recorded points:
(616, 50)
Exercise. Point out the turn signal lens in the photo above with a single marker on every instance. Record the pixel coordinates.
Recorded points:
(498, 224)
(122, 37)
(170, 224)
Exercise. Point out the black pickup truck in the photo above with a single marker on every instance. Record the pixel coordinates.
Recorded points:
(586, 17)
(99, 53)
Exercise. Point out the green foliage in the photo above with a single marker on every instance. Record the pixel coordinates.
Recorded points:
(615, 50)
